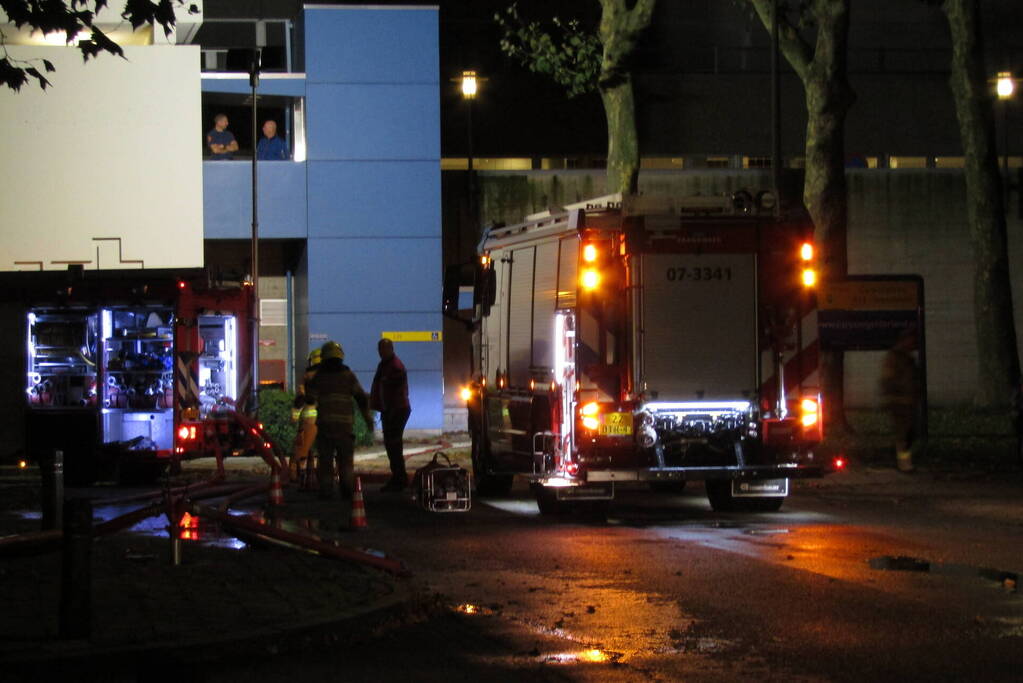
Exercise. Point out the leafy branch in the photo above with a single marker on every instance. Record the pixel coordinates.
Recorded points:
(72, 17)
(569, 55)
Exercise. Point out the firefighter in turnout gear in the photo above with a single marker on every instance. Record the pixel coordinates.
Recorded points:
(305, 415)
(335, 391)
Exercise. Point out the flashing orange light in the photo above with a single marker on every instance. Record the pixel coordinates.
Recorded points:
(809, 277)
(532, 384)
(590, 409)
(806, 251)
(591, 423)
(554, 386)
(484, 260)
(466, 394)
(22, 464)
(810, 410)
(483, 381)
(590, 279)
(590, 253)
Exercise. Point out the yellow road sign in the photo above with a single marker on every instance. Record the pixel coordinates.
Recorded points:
(414, 336)
(872, 295)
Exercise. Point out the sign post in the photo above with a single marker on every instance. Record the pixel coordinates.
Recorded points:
(872, 313)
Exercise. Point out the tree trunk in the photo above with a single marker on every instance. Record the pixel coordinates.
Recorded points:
(620, 30)
(997, 354)
(828, 100)
(622, 141)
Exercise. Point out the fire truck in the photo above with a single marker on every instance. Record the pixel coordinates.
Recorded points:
(133, 369)
(650, 340)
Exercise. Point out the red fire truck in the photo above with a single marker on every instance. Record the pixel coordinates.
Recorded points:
(642, 339)
(138, 368)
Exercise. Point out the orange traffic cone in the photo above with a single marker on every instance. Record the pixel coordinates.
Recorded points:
(276, 492)
(358, 507)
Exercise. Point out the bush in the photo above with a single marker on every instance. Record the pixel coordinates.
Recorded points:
(275, 414)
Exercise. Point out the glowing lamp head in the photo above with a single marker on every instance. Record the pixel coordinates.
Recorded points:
(590, 279)
(466, 394)
(809, 277)
(591, 423)
(22, 464)
(806, 251)
(810, 412)
(1005, 86)
(589, 253)
(590, 409)
(470, 84)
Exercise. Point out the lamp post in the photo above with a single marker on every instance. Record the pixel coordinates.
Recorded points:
(1005, 86)
(254, 83)
(470, 85)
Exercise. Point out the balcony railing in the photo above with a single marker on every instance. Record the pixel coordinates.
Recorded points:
(226, 44)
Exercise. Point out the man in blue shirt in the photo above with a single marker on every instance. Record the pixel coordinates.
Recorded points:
(271, 147)
(220, 140)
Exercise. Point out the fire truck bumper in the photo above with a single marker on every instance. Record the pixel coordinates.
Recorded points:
(791, 471)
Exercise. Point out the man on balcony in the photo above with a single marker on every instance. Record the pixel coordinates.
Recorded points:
(271, 147)
(220, 140)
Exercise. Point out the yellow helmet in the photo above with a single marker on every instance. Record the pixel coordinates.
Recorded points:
(332, 350)
(314, 357)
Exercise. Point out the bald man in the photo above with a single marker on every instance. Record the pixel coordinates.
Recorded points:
(389, 395)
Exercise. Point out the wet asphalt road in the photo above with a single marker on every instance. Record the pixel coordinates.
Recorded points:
(668, 590)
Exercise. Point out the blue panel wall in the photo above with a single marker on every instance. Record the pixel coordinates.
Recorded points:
(373, 178)
(399, 274)
(227, 199)
(380, 121)
(293, 85)
(372, 45)
(368, 210)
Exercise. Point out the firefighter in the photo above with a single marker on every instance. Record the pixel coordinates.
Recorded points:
(305, 415)
(389, 395)
(900, 391)
(335, 391)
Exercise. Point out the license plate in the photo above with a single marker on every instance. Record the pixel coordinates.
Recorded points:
(616, 424)
(760, 488)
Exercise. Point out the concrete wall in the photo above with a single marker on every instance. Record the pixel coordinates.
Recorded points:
(87, 160)
(910, 221)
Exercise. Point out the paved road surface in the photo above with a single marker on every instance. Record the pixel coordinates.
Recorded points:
(668, 590)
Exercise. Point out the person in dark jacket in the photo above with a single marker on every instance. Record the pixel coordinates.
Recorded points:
(335, 391)
(389, 395)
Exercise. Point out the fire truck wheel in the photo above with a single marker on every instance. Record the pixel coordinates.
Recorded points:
(719, 493)
(547, 501)
(667, 486)
(487, 484)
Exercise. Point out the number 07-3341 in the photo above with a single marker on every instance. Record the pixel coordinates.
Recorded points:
(704, 273)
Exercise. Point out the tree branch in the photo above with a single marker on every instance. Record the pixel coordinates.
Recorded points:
(797, 51)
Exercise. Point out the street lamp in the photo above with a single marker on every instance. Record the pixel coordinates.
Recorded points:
(470, 86)
(1005, 86)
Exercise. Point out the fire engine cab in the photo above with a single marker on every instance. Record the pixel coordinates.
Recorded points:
(645, 339)
(146, 366)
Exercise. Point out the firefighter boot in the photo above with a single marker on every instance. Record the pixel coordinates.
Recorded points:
(904, 460)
